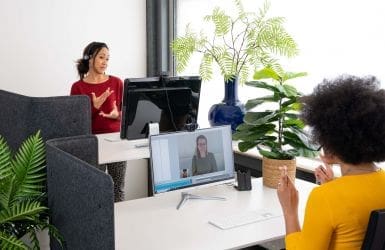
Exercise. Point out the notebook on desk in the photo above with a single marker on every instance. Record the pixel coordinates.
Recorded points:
(185, 159)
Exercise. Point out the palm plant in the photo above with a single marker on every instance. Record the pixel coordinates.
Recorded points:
(238, 44)
(22, 184)
(277, 133)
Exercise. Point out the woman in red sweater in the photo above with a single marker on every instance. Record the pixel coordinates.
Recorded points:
(105, 92)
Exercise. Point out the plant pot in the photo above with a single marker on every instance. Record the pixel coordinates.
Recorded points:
(42, 237)
(271, 173)
(230, 111)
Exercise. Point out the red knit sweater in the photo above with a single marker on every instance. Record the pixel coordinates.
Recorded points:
(101, 124)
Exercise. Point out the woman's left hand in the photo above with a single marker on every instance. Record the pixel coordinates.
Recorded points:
(288, 197)
(287, 194)
(114, 114)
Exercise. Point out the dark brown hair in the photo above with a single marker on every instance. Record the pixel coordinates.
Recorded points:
(89, 52)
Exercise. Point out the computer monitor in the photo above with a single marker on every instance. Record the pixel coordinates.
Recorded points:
(177, 161)
(172, 102)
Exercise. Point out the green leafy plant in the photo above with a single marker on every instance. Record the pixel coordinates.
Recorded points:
(239, 45)
(277, 133)
(22, 184)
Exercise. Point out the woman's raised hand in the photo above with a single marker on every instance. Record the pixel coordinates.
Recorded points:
(114, 114)
(287, 194)
(323, 173)
(98, 101)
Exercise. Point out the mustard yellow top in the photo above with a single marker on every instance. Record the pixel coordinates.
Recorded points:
(337, 213)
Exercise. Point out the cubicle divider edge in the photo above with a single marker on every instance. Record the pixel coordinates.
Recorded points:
(80, 196)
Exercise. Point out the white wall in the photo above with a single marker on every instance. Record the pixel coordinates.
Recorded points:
(40, 40)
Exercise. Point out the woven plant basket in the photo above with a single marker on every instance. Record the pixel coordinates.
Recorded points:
(271, 173)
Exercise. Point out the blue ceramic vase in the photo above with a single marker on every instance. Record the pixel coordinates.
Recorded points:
(230, 111)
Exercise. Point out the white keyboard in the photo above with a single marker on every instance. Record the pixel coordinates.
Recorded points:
(242, 218)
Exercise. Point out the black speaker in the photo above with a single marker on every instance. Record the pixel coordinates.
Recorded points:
(244, 180)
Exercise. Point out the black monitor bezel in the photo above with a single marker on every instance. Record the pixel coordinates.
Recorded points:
(148, 83)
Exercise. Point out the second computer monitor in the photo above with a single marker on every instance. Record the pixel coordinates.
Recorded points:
(172, 102)
(185, 159)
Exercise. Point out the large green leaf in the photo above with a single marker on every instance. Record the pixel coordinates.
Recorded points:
(291, 75)
(275, 154)
(297, 143)
(290, 91)
(266, 73)
(254, 134)
(293, 123)
(11, 242)
(5, 163)
(305, 138)
(263, 85)
(25, 210)
(252, 103)
(246, 145)
(259, 118)
(5, 173)
(290, 115)
(289, 102)
(29, 167)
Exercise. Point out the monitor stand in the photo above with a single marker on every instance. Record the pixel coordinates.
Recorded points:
(186, 196)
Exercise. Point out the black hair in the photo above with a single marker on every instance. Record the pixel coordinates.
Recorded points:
(89, 52)
(347, 117)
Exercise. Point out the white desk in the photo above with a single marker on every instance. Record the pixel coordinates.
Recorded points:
(113, 149)
(154, 222)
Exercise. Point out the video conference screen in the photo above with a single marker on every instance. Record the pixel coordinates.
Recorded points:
(185, 159)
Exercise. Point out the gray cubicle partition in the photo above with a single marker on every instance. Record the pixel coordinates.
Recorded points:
(58, 116)
(80, 196)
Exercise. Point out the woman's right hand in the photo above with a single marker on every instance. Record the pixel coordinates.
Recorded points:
(98, 101)
(323, 173)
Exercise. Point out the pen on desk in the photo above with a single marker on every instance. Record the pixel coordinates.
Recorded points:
(143, 145)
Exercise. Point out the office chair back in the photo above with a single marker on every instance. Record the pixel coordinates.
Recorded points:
(59, 116)
(375, 234)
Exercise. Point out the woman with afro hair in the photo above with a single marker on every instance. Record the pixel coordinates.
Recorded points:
(347, 118)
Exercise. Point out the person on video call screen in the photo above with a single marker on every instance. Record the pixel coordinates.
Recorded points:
(203, 162)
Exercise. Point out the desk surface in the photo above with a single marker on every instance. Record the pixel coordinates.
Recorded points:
(154, 222)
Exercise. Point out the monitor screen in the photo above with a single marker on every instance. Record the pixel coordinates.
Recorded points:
(185, 159)
(172, 102)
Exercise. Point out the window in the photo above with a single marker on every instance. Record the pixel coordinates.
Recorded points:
(334, 37)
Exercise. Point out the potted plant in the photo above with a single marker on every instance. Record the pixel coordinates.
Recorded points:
(278, 133)
(238, 45)
(22, 196)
